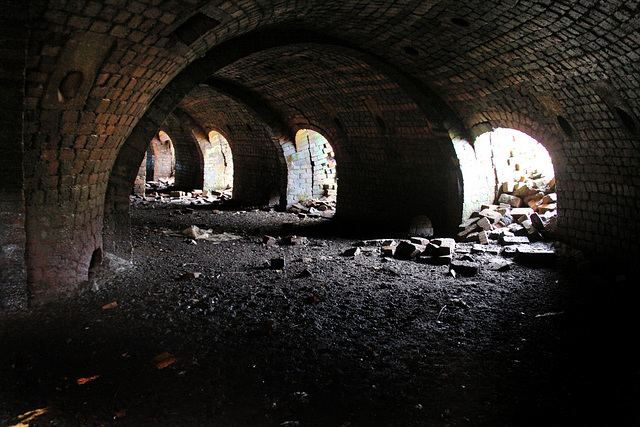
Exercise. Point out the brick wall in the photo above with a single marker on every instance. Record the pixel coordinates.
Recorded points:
(259, 171)
(141, 179)
(218, 162)
(312, 167)
(388, 86)
(391, 163)
(186, 155)
(164, 166)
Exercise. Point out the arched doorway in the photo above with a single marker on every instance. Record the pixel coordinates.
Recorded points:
(312, 169)
(509, 169)
(218, 162)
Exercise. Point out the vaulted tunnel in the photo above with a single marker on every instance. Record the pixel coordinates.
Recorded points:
(395, 86)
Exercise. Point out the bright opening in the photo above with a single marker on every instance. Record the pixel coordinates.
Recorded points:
(218, 163)
(509, 167)
(158, 168)
(312, 171)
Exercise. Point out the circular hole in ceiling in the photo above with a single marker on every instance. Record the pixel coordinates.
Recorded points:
(69, 86)
(461, 22)
(410, 50)
(566, 127)
(627, 120)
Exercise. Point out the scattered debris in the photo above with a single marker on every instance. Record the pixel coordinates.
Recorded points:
(352, 251)
(324, 207)
(525, 212)
(464, 267)
(163, 360)
(295, 240)
(191, 275)
(30, 416)
(550, 314)
(195, 233)
(82, 381)
(535, 257)
(406, 250)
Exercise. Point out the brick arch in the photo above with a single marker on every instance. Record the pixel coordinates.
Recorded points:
(432, 117)
(218, 161)
(189, 161)
(258, 162)
(384, 135)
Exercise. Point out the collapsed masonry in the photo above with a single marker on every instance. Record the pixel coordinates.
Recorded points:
(194, 197)
(518, 227)
(325, 207)
(526, 208)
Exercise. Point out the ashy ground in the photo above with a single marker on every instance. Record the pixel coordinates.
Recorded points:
(206, 333)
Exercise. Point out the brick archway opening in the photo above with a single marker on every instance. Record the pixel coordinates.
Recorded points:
(218, 162)
(158, 167)
(312, 168)
(507, 167)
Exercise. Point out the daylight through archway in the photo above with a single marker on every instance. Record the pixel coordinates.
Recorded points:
(509, 171)
(312, 178)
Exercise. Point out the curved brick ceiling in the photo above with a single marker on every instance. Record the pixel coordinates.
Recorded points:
(564, 71)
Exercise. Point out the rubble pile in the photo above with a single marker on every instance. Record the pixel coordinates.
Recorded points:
(525, 212)
(314, 208)
(466, 259)
(159, 184)
(194, 197)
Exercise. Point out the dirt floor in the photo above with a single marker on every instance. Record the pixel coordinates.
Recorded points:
(207, 333)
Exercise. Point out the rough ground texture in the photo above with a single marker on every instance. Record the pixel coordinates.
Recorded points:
(329, 340)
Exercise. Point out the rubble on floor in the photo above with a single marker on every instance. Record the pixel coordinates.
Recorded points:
(324, 207)
(463, 258)
(187, 198)
(517, 229)
(525, 212)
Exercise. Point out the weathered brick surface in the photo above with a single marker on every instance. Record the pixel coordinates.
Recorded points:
(258, 162)
(311, 166)
(218, 162)
(388, 83)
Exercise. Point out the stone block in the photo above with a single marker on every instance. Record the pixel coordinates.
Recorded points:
(485, 224)
(294, 240)
(524, 191)
(269, 240)
(490, 214)
(388, 251)
(506, 219)
(513, 240)
(520, 212)
(536, 197)
(441, 246)
(550, 198)
(537, 221)
(469, 230)
(406, 250)
(464, 268)
(534, 257)
(547, 208)
(512, 201)
(419, 241)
